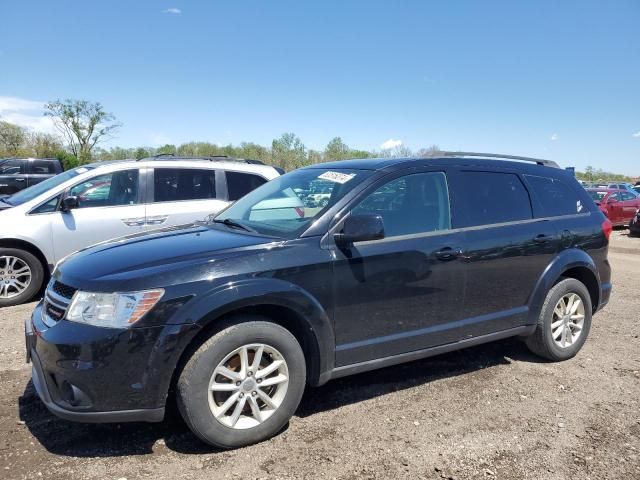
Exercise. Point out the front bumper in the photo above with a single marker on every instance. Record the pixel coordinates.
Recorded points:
(92, 374)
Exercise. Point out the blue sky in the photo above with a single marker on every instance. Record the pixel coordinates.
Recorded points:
(553, 79)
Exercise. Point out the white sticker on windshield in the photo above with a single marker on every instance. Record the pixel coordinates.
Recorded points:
(337, 177)
(82, 170)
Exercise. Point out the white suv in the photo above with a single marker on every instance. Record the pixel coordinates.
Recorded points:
(101, 201)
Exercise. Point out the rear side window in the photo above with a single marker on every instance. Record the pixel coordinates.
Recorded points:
(628, 196)
(239, 184)
(491, 198)
(179, 184)
(43, 167)
(555, 198)
(10, 167)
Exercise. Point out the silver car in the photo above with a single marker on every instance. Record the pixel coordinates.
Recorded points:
(93, 203)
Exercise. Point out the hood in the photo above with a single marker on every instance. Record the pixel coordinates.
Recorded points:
(156, 259)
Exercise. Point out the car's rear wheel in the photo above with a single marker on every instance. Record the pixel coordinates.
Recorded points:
(564, 322)
(243, 384)
(21, 276)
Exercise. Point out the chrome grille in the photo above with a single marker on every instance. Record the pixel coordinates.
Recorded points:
(56, 302)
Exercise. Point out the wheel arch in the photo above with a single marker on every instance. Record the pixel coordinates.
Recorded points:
(286, 305)
(29, 247)
(572, 263)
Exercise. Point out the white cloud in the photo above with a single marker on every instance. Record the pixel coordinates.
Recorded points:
(554, 137)
(26, 113)
(636, 135)
(391, 143)
(173, 11)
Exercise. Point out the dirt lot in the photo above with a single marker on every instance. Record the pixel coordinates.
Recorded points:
(488, 412)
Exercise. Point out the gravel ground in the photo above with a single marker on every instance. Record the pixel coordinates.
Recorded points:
(493, 411)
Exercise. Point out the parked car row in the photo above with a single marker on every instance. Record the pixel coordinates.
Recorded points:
(93, 203)
(407, 258)
(619, 205)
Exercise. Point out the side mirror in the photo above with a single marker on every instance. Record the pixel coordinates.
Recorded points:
(360, 228)
(69, 203)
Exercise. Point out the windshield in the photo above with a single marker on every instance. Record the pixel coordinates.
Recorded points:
(287, 205)
(596, 195)
(32, 192)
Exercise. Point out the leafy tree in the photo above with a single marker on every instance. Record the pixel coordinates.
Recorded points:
(142, 153)
(12, 137)
(43, 145)
(68, 159)
(289, 152)
(83, 125)
(168, 148)
(336, 149)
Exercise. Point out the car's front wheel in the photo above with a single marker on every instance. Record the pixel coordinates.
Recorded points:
(243, 384)
(564, 322)
(21, 276)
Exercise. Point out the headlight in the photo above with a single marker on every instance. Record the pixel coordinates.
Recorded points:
(115, 310)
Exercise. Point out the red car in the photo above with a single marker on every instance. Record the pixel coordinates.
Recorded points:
(620, 206)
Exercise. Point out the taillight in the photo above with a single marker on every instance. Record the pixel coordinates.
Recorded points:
(607, 228)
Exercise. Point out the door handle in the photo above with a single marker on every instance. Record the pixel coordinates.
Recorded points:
(447, 254)
(20, 179)
(542, 238)
(156, 220)
(133, 222)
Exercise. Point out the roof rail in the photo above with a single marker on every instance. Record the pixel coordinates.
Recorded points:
(539, 161)
(212, 158)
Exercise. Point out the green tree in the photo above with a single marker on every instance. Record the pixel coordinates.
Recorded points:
(168, 148)
(83, 125)
(43, 145)
(336, 149)
(12, 138)
(289, 152)
(142, 153)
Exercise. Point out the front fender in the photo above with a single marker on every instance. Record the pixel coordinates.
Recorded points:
(566, 260)
(235, 295)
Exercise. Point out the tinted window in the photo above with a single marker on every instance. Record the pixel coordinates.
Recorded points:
(239, 184)
(42, 187)
(554, 197)
(628, 196)
(178, 184)
(490, 198)
(43, 167)
(615, 196)
(110, 190)
(596, 195)
(417, 203)
(10, 167)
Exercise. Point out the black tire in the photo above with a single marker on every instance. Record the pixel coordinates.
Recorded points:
(37, 276)
(541, 341)
(192, 393)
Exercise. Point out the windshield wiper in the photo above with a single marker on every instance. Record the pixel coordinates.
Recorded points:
(233, 224)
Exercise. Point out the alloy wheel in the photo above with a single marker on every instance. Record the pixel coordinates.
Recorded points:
(15, 276)
(568, 320)
(248, 386)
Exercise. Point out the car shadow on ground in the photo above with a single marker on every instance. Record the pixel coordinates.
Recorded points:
(65, 438)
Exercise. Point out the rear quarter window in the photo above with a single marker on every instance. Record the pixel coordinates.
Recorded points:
(554, 198)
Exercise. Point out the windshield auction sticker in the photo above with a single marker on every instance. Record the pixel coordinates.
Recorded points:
(337, 176)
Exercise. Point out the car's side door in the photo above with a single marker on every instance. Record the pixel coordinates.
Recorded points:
(181, 195)
(12, 176)
(108, 206)
(506, 249)
(403, 292)
(613, 206)
(630, 204)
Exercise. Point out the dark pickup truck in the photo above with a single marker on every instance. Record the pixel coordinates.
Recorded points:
(19, 173)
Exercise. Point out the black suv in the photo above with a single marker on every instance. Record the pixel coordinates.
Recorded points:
(19, 173)
(408, 258)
